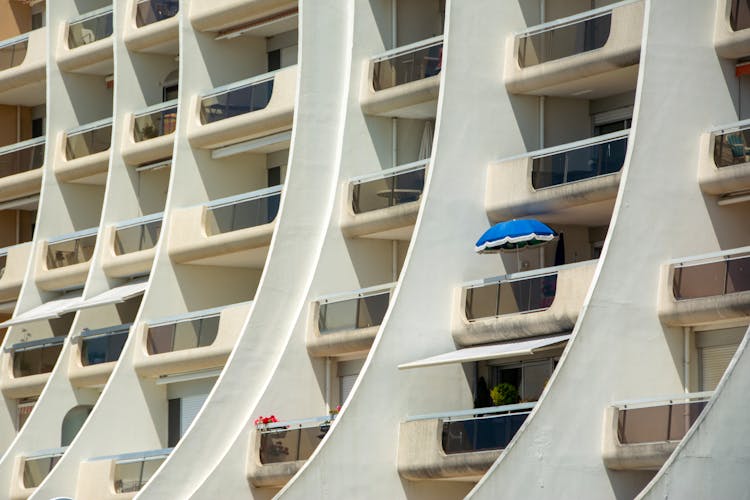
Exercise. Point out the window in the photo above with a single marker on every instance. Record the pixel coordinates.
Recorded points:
(529, 377)
(184, 401)
(72, 423)
(715, 350)
(274, 60)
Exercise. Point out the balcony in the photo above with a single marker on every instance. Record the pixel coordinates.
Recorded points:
(641, 435)
(279, 450)
(94, 354)
(86, 155)
(347, 323)
(151, 134)
(154, 27)
(189, 342)
(706, 289)
(21, 168)
(522, 305)
(731, 33)
(13, 263)
(86, 46)
(404, 82)
(230, 16)
(385, 204)
(595, 53)
(118, 476)
(31, 470)
(27, 366)
(245, 110)
(130, 246)
(64, 261)
(573, 181)
(724, 165)
(234, 231)
(459, 445)
(23, 64)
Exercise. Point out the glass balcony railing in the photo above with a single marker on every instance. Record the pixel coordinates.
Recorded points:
(243, 211)
(153, 11)
(364, 308)
(89, 139)
(722, 275)
(659, 421)
(739, 15)
(407, 64)
(389, 188)
(71, 249)
(579, 161)
(732, 145)
(3, 261)
(564, 37)
(192, 330)
(523, 292)
(155, 121)
(103, 345)
(13, 51)
(237, 98)
(138, 234)
(134, 470)
(22, 157)
(37, 467)
(35, 357)
(90, 27)
(291, 441)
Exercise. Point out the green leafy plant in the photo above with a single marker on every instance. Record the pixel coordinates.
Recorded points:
(504, 394)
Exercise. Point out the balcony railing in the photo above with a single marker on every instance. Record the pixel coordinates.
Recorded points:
(579, 161)
(155, 121)
(732, 144)
(659, 420)
(409, 63)
(364, 308)
(191, 330)
(237, 98)
(35, 357)
(36, 467)
(88, 139)
(153, 11)
(71, 249)
(727, 272)
(243, 211)
(565, 37)
(138, 234)
(388, 188)
(3, 261)
(133, 470)
(22, 156)
(293, 440)
(739, 16)
(103, 345)
(13, 51)
(90, 27)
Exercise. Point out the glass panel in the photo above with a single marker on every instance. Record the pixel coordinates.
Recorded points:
(184, 335)
(22, 160)
(530, 294)
(387, 192)
(290, 445)
(739, 17)
(131, 476)
(35, 361)
(3, 264)
(90, 30)
(416, 65)
(579, 164)
(156, 124)
(485, 433)
(564, 41)
(68, 253)
(359, 312)
(243, 215)
(36, 469)
(712, 279)
(136, 238)
(151, 11)
(88, 143)
(102, 349)
(13, 55)
(235, 102)
(654, 424)
(732, 148)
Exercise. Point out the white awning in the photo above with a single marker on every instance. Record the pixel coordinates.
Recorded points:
(114, 295)
(48, 310)
(492, 351)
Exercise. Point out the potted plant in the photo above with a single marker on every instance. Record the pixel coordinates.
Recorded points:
(504, 394)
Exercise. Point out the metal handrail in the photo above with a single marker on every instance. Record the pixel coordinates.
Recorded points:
(239, 198)
(571, 146)
(253, 80)
(35, 344)
(491, 411)
(161, 106)
(391, 172)
(189, 316)
(663, 400)
(14, 40)
(48, 453)
(90, 15)
(73, 236)
(12, 148)
(135, 456)
(104, 122)
(422, 44)
(302, 423)
(708, 258)
(140, 221)
(524, 275)
(355, 294)
(102, 332)
(574, 19)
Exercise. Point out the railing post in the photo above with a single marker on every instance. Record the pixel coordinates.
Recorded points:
(299, 441)
(669, 420)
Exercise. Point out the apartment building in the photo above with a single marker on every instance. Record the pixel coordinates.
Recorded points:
(238, 249)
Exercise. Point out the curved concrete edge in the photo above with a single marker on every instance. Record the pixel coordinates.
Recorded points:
(388, 101)
(82, 58)
(729, 43)
(87, 166)
(15, 267)
(268, 475)
(34, 66)
(23, 184)
(139, 153)
(153, 37)
(377, 221)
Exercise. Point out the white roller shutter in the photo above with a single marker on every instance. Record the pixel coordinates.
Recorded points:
(713, 362)
(189, 408)
(347, 382)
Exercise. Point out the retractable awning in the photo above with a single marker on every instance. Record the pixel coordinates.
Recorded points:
(492, 351)
(49, 310)
(114, 295)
